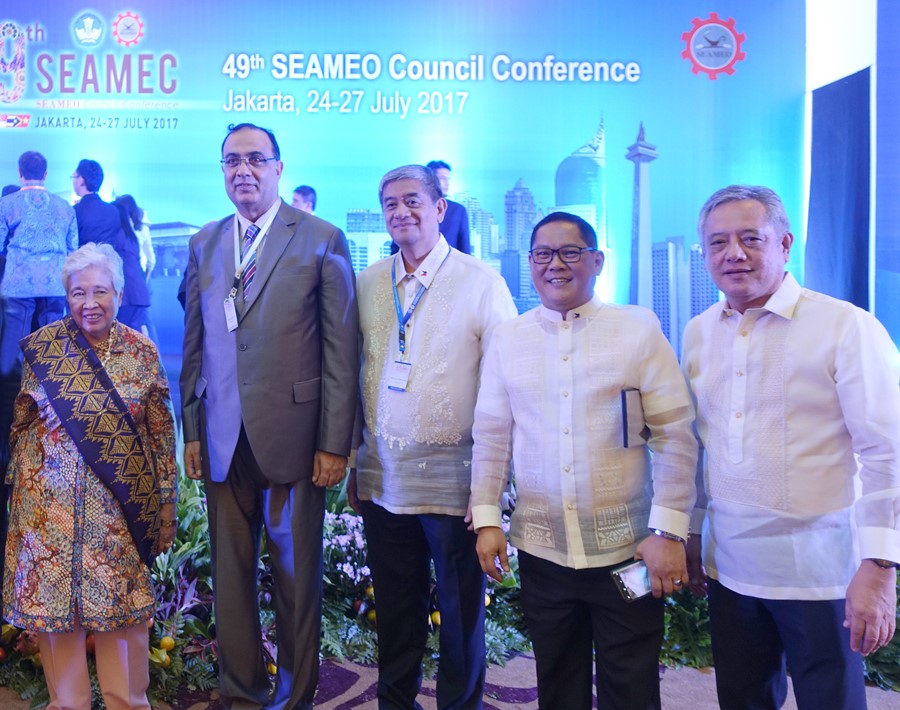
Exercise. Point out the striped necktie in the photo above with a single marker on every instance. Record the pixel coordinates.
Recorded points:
(250, 269)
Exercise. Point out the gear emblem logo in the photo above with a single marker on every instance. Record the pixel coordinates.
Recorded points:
(713, 46)
(128, 29)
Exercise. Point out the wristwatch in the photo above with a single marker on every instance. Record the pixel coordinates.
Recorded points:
(884, 564)
(667, 535)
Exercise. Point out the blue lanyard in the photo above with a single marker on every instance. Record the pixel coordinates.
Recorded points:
(404, 319)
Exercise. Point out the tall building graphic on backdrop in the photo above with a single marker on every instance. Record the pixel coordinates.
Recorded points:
(367, 237)
(668, 288)
(581, 183)
(704, 291)
(521, 215)
(667, 275)
(641, 154)
(484, 235)
(581, 190)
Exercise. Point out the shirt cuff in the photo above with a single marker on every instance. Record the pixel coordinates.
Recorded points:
(486, 516)
(879, 543)
(671, 521)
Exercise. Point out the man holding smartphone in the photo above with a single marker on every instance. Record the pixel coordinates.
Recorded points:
(577, 393)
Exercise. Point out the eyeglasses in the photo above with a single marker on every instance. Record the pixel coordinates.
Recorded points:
(256, 160)
(568, 254)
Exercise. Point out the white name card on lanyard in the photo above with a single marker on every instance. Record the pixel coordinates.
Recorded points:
(231, 319)
(398, 373)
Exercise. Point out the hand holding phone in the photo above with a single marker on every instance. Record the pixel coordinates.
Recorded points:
(632, 579)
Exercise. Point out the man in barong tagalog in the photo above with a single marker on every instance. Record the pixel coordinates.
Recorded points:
(93, 481)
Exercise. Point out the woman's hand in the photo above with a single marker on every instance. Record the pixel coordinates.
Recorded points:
(168, 526)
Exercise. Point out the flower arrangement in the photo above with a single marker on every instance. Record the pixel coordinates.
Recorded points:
(183, 632)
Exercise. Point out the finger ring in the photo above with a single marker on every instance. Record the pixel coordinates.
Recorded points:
(677, 582)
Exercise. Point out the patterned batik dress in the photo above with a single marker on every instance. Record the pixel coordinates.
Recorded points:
(69, 554)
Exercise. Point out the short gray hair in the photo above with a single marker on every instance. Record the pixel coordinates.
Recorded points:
(775, 214)
(420, 173)
(93, 254)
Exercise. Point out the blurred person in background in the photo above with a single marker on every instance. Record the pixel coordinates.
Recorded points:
(137, 233)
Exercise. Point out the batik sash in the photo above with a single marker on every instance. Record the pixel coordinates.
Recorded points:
(98, 421)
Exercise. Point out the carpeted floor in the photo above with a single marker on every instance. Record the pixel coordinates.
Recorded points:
(347, 686)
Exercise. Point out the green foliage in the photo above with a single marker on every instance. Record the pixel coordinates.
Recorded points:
(686, 641)
(349, 615)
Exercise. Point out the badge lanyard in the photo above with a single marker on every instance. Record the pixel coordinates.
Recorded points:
(401, 318)
(242, 263)
(231, 319)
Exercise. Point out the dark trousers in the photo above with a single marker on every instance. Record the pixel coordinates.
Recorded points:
(400, 548)
(753, 640)
(572, 614)
(21, 317)
(292, 515)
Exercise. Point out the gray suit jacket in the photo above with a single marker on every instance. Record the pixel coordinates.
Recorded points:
(290, 370)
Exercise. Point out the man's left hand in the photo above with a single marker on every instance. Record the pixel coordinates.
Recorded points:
(666, 565)
(328, 469)
(871, 607)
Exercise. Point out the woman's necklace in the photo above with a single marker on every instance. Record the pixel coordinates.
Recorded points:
(102, 348)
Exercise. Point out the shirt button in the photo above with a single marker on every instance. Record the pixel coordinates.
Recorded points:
(565, 393)
(565, 430)
(744, 333)
(738, 415)
(739, 373)
(243, 347)
(571, 506)
(566, 469)
(565, 358)
(565, 326)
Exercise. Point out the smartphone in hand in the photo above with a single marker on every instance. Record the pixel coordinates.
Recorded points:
(632, 580)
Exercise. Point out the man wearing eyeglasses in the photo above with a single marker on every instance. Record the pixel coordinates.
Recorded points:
(577, 393)
(269, 391)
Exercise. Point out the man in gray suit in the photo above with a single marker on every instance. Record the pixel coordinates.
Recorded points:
(269, 391)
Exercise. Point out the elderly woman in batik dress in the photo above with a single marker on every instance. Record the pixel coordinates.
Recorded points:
(93, 490)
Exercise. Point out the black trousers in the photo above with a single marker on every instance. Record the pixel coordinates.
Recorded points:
(572, 614)
(400, 549)
(754, 640)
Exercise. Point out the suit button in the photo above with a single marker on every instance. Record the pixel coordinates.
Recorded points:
(243, 347)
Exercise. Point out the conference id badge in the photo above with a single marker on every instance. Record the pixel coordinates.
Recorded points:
(398, 375)
(231, 319)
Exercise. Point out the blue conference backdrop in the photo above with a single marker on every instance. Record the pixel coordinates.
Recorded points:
(629, 114)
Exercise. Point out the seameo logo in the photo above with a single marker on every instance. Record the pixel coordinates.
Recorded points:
(713, 46)
(87, 29)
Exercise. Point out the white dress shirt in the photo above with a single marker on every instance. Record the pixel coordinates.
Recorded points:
(551, 399)
(417, 444)
(790, 398)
